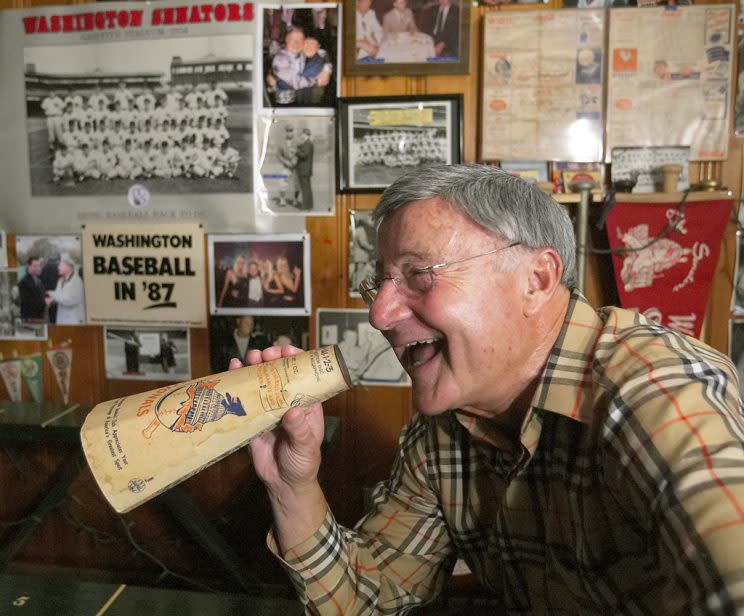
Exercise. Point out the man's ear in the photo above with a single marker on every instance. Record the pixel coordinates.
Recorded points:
(543, 278)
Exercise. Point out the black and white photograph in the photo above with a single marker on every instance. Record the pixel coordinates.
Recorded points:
(300, 54)
(50, 284)
(368, 356)
(736, 349)
(407, 37)
(297, 167)
(737, 296)
(234, 336)
(11, 325)
(382, 138)
(147, 354)
(173, 114)
(259, 274)
(362, 247)
(639, 170)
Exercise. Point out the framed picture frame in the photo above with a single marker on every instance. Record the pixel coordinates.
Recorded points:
(381, 138)
(368, 355)
(406, 37)
(147, 354)
(362, 248)
(296, 165)
(50, 287)
(736, 348)
(737, 293)
(259, 274)
(233, 336)
(299, 50)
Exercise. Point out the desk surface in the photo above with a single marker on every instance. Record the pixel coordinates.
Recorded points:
(40, 422)
(29, 595)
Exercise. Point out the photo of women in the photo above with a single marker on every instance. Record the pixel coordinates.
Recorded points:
(259, 274)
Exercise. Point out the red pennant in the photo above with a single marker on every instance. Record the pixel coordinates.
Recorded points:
(669, 279)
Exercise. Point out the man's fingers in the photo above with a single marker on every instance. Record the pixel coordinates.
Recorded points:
(234, 364)
(288, 350)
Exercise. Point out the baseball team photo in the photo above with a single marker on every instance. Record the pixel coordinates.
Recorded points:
(172, 114)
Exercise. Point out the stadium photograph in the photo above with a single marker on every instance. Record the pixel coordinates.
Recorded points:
(171, 114)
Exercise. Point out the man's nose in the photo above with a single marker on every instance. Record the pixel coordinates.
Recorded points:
(389, 308)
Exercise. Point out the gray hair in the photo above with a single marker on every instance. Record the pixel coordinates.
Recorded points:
(496, 200)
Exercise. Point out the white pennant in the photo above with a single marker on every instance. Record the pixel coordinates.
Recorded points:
(61, 361)
(11, 373)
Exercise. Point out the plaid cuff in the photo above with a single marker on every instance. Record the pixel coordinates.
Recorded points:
(308, 563)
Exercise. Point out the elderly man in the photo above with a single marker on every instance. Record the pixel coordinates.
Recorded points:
(287, 70)
(579, 460)
(68, 295)
(368, 30)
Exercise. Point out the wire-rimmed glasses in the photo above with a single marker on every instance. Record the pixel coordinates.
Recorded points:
(414, 281)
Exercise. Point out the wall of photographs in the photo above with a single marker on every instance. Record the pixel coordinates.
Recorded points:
(190, 187)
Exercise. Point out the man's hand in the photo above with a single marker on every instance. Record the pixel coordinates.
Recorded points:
(287, 460)
(289, 456)
(323, 78)
(367, 46)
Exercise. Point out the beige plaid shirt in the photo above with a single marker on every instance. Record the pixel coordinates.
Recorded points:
(626, 495)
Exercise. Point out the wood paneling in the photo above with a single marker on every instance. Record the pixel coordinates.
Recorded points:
(84, 532)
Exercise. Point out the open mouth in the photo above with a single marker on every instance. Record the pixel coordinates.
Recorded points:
(421, 351)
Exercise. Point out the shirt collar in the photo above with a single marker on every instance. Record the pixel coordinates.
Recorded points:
(565, 384)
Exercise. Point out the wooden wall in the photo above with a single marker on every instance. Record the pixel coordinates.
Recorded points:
(84, 532)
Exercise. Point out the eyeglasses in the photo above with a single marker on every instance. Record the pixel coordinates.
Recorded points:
(415, 281)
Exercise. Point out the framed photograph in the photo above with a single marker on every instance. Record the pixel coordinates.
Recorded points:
(369, 357)
(300, 52)
(259, 274)
(12, 327)
(737, 297)
(406, 37)
(50, 288)
(147, 354)
(639, 170)
(296, 165)
(380, 139)
(102, 117)
(736, 349)
(362, 246)
(234, 336)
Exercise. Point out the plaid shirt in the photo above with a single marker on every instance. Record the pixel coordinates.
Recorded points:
(626, 494)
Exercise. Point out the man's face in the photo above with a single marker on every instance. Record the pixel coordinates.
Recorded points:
(34, 267)
(245, 325)
(459, 340)
(586, 57)
(64, 269)
(295, 41)
(363, 5)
